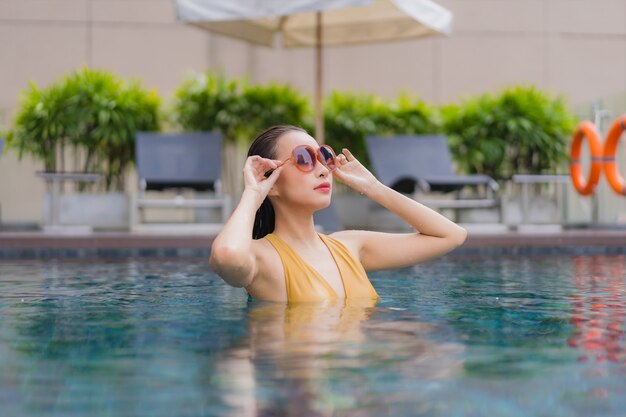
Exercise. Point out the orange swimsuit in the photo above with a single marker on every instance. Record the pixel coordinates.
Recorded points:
(304, 283)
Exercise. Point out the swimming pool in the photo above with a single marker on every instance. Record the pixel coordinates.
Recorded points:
(461, 336)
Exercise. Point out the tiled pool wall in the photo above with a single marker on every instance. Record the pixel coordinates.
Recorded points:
(87, 253)
(39, 245)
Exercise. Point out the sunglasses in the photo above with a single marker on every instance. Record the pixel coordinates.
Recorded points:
(305, 157)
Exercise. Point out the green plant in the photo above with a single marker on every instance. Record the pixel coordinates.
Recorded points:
(519, 130)
(262, 106)
(111, 111)
(206, 102)
(93, 112)
(238, 110)
(350, 117)
(44, 124)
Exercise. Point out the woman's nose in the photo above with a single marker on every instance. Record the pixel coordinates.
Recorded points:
(323, 170)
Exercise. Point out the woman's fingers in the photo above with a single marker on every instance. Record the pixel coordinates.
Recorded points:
(260, 169)
(262, 165)
(272, 163)
(273, 177)
(254, 173)
(348, 155)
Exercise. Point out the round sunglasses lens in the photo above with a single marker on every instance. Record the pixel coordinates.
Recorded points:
(328, 157)
(304, 159)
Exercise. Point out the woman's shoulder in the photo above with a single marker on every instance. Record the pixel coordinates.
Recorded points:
(264, 251)
(349, 235)
(351, 239)
(268, 258)
(269, 271)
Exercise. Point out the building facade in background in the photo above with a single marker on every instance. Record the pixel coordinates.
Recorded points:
(573, 47)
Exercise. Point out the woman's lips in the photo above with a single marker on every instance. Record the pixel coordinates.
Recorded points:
(323, 187)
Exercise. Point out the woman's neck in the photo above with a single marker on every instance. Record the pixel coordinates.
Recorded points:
(296, 227)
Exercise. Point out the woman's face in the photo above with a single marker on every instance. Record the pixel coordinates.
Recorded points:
(300, 187)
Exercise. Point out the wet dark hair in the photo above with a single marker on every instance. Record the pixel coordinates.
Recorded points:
(265, 146)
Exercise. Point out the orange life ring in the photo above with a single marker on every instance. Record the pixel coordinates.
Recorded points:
(610, 149)
(586, 130)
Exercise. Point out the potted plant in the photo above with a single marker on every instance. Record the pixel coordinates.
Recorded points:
(349, 118)
(86, 122)
(208, 101)
(520, 130)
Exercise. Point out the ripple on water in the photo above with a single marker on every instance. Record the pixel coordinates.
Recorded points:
(520, 336)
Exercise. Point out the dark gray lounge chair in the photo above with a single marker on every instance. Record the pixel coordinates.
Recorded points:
(181, 161)
(424, 163)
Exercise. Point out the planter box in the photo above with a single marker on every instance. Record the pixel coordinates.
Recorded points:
(357, 211)
(541, 210)
(478, 215)
(353, 209)
(100, 211)
(211, 214)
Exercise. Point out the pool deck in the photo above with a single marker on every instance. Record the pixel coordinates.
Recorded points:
(37, 244)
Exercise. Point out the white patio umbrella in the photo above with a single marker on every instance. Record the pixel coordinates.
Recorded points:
(318, 23)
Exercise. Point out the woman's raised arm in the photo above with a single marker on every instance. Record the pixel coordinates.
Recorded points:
(232, 256)
(435, 234)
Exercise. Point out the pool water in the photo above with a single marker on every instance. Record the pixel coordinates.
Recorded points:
(461, 336)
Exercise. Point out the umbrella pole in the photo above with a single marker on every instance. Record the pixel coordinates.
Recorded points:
(319, 111)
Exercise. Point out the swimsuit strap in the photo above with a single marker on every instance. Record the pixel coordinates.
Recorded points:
(355, 280)
(304, 283)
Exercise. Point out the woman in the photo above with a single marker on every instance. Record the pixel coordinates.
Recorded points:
(270, 246)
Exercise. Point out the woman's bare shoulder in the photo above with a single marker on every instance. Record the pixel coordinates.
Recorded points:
(269, 278)
(266, 256)
(352, 239)
(349, 235)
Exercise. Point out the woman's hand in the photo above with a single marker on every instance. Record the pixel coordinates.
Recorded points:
(349, 171)
(254, 174)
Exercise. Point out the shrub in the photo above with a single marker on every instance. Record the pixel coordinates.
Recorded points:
(520, 130)
(272, 104)
(93, 112)
(206, 102)
(238, 110)
(44, 124)
(350, 117)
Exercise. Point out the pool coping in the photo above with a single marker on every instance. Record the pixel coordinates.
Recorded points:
(125, 244)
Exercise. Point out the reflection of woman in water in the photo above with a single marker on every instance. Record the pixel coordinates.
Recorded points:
(296, 354)
(270, 247)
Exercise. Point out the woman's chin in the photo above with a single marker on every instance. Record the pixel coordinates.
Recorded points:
(319, 203)
(325, 203)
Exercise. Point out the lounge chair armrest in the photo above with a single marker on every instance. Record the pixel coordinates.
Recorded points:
(493, 185)
(461, 180)
(423, 185)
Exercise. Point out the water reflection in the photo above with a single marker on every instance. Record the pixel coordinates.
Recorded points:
(322, 359)
(475, 337)
(598, 310)
(111, 339)
(511, 314)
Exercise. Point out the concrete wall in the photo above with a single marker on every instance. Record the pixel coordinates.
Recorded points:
(573, 47)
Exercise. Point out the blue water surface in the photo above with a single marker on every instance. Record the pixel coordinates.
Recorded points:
(461, 336)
